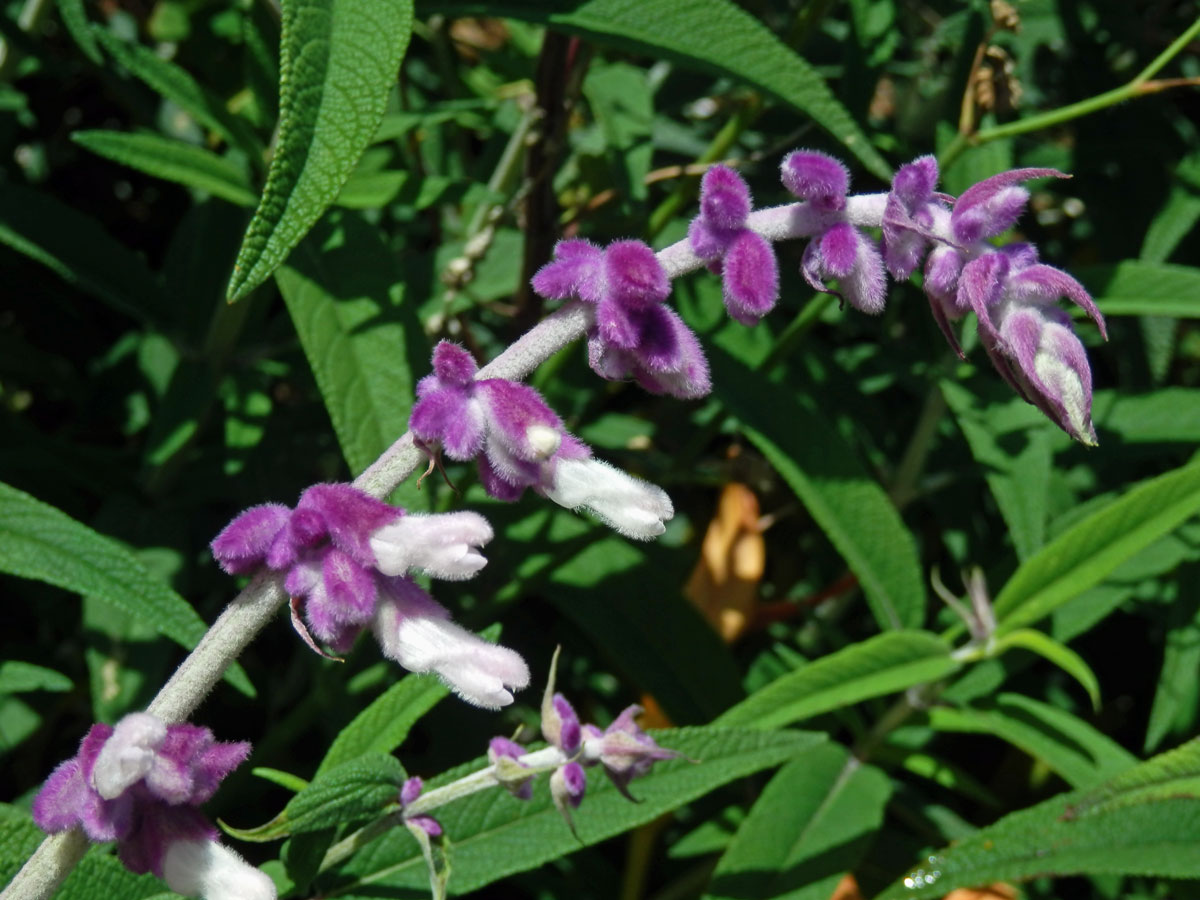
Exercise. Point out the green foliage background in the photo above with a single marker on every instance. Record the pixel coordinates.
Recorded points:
(139, 411)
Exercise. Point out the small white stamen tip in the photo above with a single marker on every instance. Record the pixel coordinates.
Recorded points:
(543, 439)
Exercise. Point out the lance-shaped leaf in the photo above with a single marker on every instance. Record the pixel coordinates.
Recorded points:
(1066, 744)
(41, 542)
(813, 822)
(338, 62)
(177, 85)
(171, 160)
(847, 503)
(1088, 551)
(1145, 821)
(884, 664)
(344, 296)
(361, 788)
(1059, 654)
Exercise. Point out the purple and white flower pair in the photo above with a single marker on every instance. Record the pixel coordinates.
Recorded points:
(139, 784)
(346, 556)
(518, 442)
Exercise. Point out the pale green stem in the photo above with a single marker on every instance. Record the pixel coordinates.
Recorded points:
(1139, 86)
(540, 761)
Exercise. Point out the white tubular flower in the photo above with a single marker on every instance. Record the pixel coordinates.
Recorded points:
(129, 755)
(211, 870)
(417, 632)
(444, 546)
(632, 506)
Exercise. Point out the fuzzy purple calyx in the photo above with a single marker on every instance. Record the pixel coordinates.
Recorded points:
(634, 335)
(993, 206)
(845, 253)
(744, 258)
(816, 177)
(505, 426)
(624, 750)
(138, 783)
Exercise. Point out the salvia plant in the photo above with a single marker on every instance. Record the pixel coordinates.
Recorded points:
(889, 303)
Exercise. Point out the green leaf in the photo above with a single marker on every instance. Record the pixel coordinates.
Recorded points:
(1066, 744)
(344, 297)
(383, 726)
(884, 664)
(846, 502)
(80, 251)
(1135, 288)
(716, 36)
(361, 788)
(1087, 552)
(1163, 415)
(74, 16)
(1177, 697)
(99, 875)
(1018, 476)
(38, 541)
(339, 60)
(17, 677)
(175, 84)
(293, 783)
(1145, 821)
(813, 822)
(171, 160)
(1059, 654)
(495, 834)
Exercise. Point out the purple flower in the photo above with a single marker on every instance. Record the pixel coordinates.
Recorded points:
(816, 177)
(1027, 337)
(139, 784)
(623, 749)
(345, 555)
(519, 442)
(634, 334)
(913, 210)
(337, 544)
(568, 784)
(839, 250)
(744, 259)
(505, 426)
